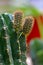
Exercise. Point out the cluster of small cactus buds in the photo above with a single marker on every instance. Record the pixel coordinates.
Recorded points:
(24, 24)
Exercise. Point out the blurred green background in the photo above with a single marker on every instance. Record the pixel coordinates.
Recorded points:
(29, 7)
(12, 5)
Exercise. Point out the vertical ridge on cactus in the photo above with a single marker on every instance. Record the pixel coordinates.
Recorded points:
(5, 45)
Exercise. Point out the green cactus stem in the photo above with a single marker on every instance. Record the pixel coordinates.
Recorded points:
(5, 45)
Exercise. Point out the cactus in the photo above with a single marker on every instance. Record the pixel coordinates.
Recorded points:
(28, 24)
(36, 51)
(18, 15)
(5, 44)
(12, 39)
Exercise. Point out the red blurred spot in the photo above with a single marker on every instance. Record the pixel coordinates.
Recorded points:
(34, 33)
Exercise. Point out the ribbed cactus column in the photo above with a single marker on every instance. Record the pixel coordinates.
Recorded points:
(5, 45)
(1, 57)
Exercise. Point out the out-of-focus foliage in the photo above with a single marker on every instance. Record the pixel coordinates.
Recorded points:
(36, 51)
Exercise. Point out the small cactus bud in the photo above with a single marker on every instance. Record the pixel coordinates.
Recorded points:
(28, 24)
(18, 20)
